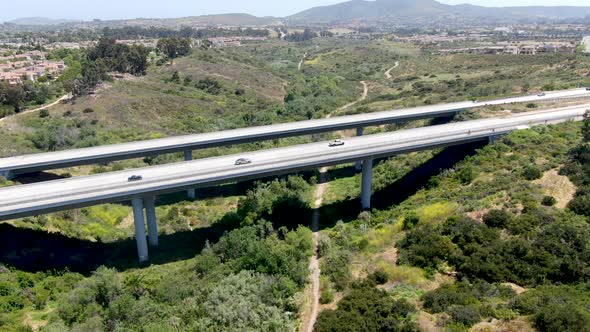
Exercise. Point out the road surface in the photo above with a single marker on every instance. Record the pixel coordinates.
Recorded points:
(107, 153)
(39, 198)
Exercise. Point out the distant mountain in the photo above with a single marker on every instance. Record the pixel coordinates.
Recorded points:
(40, 21)
(427, 10)
(197, 21)
(191, 21)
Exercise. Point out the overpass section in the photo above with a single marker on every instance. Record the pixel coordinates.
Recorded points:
(12, 166)
(51, 196)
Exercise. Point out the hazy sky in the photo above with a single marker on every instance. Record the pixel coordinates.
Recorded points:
(112, 9)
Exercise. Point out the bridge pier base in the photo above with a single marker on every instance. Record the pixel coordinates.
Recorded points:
(139, 221)
(367, 184)
(150, 211)
(492, 139)
(188, 156)
(8, 175)
(358, 165)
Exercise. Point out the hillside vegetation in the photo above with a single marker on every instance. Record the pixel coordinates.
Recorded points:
(474, 236)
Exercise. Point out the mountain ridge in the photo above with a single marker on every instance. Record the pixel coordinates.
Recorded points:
(408, 10)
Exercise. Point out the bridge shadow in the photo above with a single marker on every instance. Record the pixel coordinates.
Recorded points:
(36, 177)
(35, 251)
(400, 190)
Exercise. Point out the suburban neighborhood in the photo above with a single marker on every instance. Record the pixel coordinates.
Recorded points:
(28, 66)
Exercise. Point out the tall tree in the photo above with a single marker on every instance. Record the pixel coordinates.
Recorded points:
(174, 47)
(586, 127)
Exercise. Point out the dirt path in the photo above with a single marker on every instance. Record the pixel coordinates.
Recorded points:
(301, 62)
(62, 98)
(314, 264)
(309, 317)
(388, 72)
(349, 105)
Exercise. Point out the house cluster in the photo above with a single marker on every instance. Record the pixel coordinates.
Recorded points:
(528, 49)
(233, 41)
(28, 66)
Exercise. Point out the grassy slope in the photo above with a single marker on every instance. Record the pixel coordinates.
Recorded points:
(498, 184)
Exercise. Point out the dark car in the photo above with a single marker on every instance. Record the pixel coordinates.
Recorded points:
(134, 178)
(588, 88)
(542, 94)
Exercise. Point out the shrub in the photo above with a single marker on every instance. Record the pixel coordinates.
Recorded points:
(44, 113)
(209, 85)
(497, 218)
(411, 219)
(565, 318)
(466, 175)
(548, 201)
(465, 315)
(327, 296)
(425, 247)
(379, 277)
(531, 105)
(88, 110)
(446, 296)
(580, 205)
(367, 308)
(531, 172)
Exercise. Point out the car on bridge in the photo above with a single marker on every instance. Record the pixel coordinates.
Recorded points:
(243, 161)
(542, 94)
(134, 178)
(336, 142)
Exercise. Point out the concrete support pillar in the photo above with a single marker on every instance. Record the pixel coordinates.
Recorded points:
(492, 139)
(150, 211)
(367, 184)
(358, 165)
(8, 175)
(139, 220)
(188, 156)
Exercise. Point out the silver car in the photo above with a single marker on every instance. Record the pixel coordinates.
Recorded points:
(243, 161)
(337, 142)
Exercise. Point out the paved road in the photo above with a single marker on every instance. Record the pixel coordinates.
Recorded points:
(32, 199)
(67, 158)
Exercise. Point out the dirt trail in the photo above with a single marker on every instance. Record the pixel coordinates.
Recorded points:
(310, 316)
(349, 105)
(301, 62)
(314, 264)
(388, 72)
(62, 98)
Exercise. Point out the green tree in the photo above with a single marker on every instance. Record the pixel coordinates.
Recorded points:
(174, 47)
(586, 127)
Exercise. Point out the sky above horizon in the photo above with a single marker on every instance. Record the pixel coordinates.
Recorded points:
(117, 9)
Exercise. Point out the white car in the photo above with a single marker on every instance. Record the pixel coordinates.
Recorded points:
(337, 142)
(243, 161)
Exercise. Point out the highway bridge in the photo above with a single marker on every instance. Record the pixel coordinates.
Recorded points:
(9, 167)
(51, 196)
